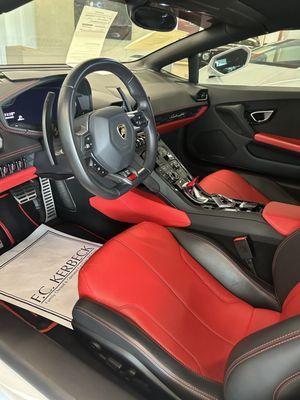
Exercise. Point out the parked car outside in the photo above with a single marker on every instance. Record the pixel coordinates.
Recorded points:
(274, 64)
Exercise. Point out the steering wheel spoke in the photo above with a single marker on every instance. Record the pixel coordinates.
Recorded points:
(94, 166)
(129, 173)
(82, 136)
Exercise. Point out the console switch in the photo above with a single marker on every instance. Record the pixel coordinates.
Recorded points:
(12, 167)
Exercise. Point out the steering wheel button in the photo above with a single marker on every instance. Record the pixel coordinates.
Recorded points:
(88, 144)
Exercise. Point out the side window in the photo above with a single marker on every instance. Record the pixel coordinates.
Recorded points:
(179, 68)
(275, 61)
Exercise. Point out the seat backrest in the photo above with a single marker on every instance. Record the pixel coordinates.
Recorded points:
(265, 365)
(286, 270)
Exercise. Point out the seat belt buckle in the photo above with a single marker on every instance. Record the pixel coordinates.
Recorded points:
(243, 248)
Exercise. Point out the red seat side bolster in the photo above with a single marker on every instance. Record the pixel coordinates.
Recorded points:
(232, 185)
(145, 275)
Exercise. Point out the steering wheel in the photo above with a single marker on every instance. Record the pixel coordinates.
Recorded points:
(100, 145)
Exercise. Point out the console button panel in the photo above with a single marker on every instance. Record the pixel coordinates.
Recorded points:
(170, 168)
(12, 167)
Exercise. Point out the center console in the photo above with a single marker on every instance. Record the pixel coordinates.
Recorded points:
(178, 179)
(239, 226)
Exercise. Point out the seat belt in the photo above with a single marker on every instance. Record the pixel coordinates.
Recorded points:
(243, 248)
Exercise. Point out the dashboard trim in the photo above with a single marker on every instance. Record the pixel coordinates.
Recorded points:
(22, 150)
(180, 123)
(19, 131)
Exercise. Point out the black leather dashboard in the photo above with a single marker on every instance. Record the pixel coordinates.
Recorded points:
(23, 93)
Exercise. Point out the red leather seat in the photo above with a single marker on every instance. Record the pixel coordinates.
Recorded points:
(147, 279)
(245, 187)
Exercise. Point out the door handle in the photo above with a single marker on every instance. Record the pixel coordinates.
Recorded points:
(262, 116)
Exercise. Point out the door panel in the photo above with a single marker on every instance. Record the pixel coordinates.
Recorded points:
(225, 135)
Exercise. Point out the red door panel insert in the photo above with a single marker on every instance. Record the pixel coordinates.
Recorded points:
(286, 143)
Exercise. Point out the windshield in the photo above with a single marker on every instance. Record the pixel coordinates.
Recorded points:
(71, 31)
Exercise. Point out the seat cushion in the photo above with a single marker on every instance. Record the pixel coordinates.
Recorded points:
(146, 276)
(232, 185)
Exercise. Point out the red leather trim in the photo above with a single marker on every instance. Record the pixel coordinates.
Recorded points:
(103, 240)
(180, 123)
(49, 328)
(7, 233)
(21, 208)
(17, 179)
(12, 311)
(291, 144)
(145, 275)
(138, 206)
(232, 185)
(284, 218)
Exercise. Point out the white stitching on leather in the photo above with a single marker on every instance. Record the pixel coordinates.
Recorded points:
(199, 367)
(205, 396)
(287, 381)
(254, 349)
(170, 288)
(234, 264)
(256, 353)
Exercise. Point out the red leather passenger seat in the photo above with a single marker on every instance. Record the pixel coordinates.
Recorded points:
(245, 187)
(145, 275)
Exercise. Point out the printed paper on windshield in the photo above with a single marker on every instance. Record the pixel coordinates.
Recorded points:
(90, 33)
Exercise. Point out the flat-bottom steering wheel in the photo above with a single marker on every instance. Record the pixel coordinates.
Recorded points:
(100, 145)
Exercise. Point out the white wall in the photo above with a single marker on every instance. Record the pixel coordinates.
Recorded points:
(17, 28)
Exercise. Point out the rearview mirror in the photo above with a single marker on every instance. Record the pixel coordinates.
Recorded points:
(229, 61)
(154, 18)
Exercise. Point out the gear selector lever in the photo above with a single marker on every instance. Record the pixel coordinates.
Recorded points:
(194, 192)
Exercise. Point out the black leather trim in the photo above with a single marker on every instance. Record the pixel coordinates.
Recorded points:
(262, 361)
(269, 188)
(286, 271)
(289, 388)
(129, 342)
(50, 368)
(225, 270)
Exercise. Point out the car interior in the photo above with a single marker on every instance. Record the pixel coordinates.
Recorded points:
(191, 192)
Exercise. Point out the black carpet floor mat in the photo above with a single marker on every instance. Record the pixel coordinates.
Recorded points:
(78, 231)
(16, 221)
